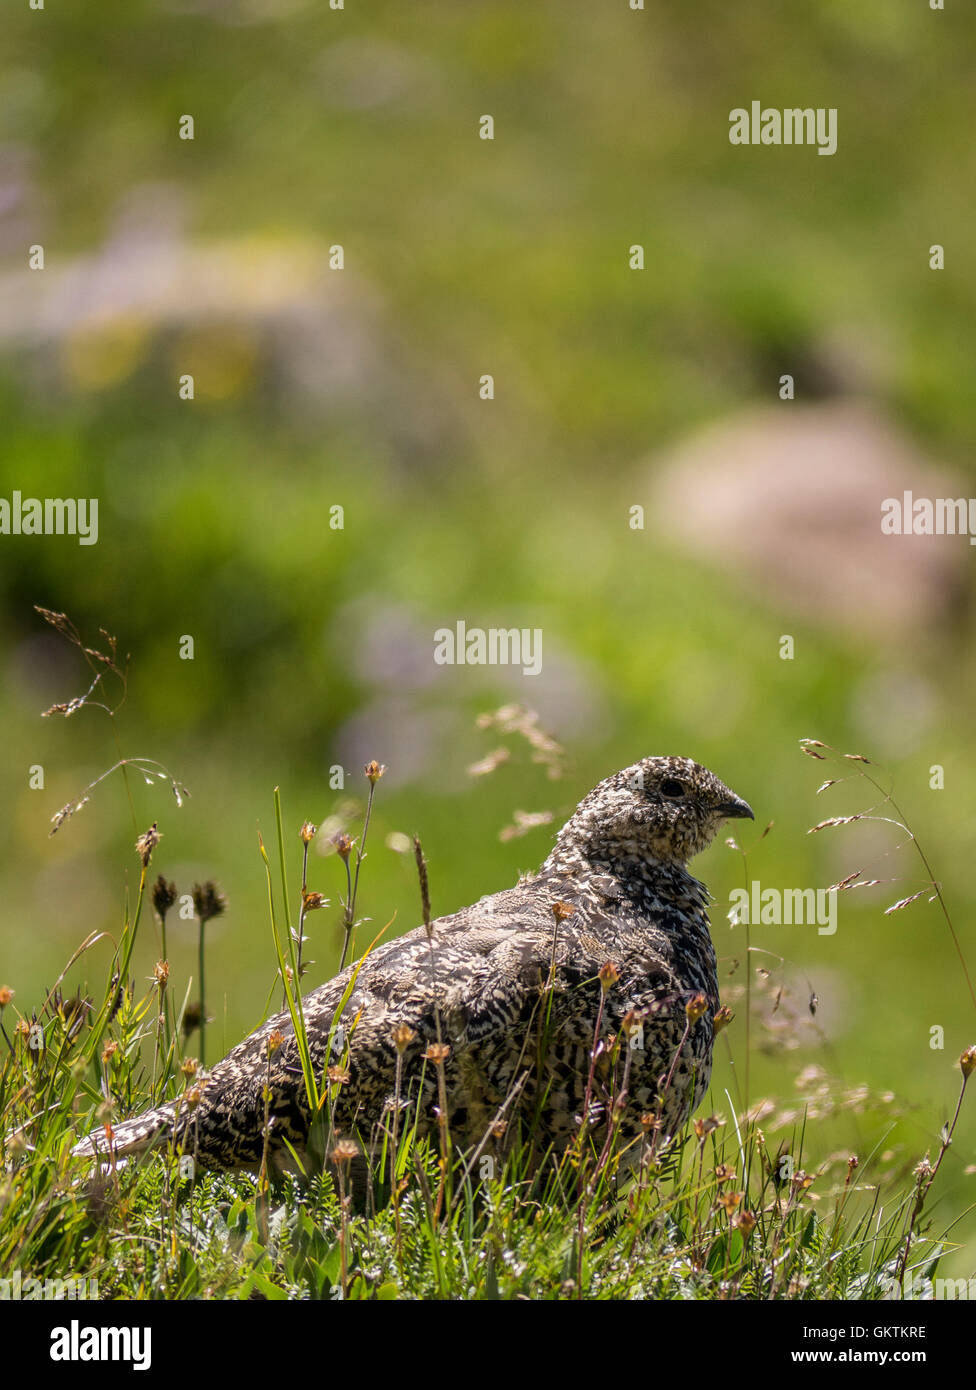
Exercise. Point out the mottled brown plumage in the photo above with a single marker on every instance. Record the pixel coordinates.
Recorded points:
(495, 974)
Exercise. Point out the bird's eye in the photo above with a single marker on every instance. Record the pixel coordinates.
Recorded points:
(672, 787)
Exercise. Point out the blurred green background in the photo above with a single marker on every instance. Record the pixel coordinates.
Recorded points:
(614, 389)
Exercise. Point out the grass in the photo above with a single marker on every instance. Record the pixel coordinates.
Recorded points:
(720, 1212)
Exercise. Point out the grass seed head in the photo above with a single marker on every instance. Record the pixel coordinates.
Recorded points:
(163, 895)
(146, 843)
(208, 901)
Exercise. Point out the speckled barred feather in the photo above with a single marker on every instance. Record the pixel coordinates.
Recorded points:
(620, 864)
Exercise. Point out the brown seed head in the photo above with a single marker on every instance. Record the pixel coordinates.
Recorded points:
(146, 843)
(307, 833)
(313, 901)
(374, 771)
(161, 973)
(745, 1223)
(608, 976)
(696, 1007)
(437, 1053)
(722, 1019)
(163, 896)
(208, 901)
(968, 1061)
(275, 1040)
(6, 994)
(343, 844)
(189, 1067)
(403, 1036)
(561, 910)
(631, 1022)
(191, 1018)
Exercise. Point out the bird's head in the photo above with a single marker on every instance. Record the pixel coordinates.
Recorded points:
(667, 809)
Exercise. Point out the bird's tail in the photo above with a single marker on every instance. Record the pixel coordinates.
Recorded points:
(131, 1137)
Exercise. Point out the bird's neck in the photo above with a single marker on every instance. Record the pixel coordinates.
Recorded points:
(571, 860)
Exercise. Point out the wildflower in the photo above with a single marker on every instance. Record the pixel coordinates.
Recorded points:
(437, 1053)
(338, 1075)
(968, 1061)
(374, 771)
(403, 1036)
(6, 994)
(313, 901)
(345, 1151)
(275, 1040)
(307, 833)
(161, 974)
(189, 1067)
(561, 910)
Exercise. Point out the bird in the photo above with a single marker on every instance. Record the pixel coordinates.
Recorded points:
(585, 996)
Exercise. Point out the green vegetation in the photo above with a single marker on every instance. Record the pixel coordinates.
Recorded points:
(311, 646)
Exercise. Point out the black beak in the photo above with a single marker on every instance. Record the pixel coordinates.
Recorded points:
(737, 808)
